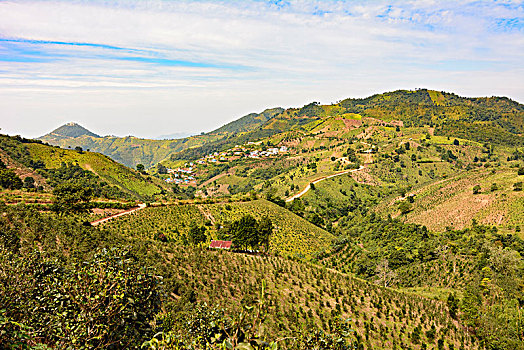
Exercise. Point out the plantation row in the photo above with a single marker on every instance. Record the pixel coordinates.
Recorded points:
(292, 235)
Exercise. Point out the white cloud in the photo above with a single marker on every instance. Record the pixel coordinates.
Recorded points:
(241, 57)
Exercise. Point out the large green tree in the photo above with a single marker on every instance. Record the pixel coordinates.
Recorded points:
(9, 180)
(71, 197)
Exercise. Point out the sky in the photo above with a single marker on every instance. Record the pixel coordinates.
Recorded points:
(153, 67)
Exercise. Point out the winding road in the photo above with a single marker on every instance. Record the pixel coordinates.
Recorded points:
(132, 210)
(308, 187)
(298, 195)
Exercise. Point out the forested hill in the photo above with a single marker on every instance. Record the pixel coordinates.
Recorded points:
(488, 119)
(496, 120)
(249, 122)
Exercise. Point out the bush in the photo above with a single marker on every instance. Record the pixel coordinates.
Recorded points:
(9, 180)
(476, 189)
(108, 300)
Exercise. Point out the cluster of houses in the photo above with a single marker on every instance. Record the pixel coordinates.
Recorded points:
(239, 152)
(267, 153)
(184, 175)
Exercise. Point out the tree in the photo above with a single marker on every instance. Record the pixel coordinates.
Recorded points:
(71, 197)
(244, 232)
(476, 189)
(140, 167)
(517, 186)
(405, 207)
(9, 180)
(494, 187)
(453, 304)
(521, 171)
(456, 142)
(316, 220)
(197, 234)
(265, 230)
(161, 169)
(79, 149)
(29, 182)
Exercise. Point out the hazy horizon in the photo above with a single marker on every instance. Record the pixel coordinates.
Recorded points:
(150, 68)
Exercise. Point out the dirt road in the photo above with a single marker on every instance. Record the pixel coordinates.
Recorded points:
(132, 210)
(308, 187)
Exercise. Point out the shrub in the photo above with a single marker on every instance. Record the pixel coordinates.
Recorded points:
(107, 300)
(476, 189)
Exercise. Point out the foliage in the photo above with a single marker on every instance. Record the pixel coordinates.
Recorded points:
(71, 197)
(197, 234)
(73, 173)
(247, 232)
(9, 179)
(57, 292)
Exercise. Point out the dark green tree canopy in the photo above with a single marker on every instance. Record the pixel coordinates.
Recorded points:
(71, 197)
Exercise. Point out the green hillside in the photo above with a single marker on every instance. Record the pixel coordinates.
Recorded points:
(497, 120)
(249, 122)
(392, 222)
(293, 236)
(131, 151)
(41, 158)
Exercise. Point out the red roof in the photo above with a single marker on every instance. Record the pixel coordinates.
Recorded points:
(220, 244)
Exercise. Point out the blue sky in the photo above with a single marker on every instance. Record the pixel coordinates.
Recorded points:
(155, 67)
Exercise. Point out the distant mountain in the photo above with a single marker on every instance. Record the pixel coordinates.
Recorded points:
(131, 150)
(249, 122)
(174, 136)
(497, 120)
(68, 131)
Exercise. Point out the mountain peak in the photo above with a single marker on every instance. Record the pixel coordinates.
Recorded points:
(69, 130)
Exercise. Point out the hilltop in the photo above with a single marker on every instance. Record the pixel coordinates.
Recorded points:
(249, 122)
(67, 131)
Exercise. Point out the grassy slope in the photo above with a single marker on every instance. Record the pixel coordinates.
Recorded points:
(109, 170)
(292, 236)
(451, 202)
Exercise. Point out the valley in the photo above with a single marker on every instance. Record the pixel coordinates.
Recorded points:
(388, 222)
